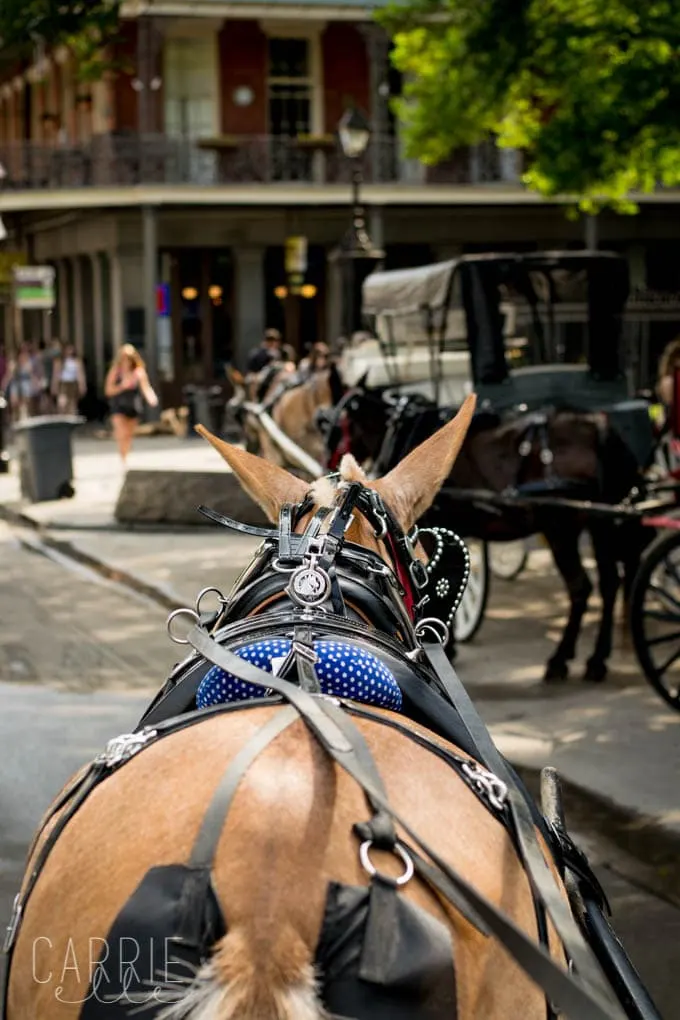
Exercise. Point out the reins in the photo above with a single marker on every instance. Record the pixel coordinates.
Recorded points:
(314, 584)
(312, 569)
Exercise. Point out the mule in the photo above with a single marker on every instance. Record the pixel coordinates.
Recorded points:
(556, 453)
(282, 929)
(293, 406)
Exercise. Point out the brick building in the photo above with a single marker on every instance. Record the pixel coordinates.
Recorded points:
(163, 194)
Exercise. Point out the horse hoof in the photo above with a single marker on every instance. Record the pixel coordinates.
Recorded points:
(595, 672)
(556, 671)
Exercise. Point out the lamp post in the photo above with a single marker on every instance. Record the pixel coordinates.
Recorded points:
(357, 254)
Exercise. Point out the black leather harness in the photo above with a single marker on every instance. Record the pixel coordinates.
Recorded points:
(294, 566)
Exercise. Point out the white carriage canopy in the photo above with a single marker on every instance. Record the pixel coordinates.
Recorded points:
(485, 288)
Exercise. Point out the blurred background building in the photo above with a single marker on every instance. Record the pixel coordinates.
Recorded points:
(164, 192)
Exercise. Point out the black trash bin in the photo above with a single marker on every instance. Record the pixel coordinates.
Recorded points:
(45, 456)
(206, 406)
(4, 455)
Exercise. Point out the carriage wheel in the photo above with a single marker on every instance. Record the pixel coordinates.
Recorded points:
(471, 609)
(507, 560)
(655, 616)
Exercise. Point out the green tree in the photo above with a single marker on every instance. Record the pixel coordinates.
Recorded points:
(85, 25)
(589, 89)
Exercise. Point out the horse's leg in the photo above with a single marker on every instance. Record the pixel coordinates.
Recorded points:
(604, 547)
(564, 547)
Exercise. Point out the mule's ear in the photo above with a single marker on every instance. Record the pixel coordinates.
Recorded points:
(410, 488)
(268, 484)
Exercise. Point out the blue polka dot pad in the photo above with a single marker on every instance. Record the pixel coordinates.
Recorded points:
(344, 671)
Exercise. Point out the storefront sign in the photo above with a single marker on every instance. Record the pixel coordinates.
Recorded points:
(295, 262)
(296, 256)
(34, 287)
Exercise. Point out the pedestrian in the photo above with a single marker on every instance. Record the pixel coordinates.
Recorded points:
(127, 385)
(52, 353)
(669, 363)
(68, 381)
(23, 384)
(268, 351)
(317, 360)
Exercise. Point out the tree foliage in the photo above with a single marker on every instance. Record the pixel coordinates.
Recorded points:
(590, 89)
(84, 25)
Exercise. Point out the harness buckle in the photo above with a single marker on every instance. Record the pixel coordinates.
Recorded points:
(419, 574)
(379, 513)
(120, 749)
(305, 652)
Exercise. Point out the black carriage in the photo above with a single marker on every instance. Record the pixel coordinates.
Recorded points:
(542, 329)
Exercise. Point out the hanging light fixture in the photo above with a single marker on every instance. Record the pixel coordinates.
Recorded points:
(354, 132)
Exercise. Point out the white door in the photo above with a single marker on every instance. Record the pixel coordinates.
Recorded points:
(191, 105)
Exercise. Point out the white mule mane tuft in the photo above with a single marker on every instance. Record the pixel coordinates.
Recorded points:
(323, 490)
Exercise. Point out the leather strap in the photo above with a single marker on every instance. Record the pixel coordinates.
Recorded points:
(540, 875)
(337, 734)
(305, 658)
(229, 522)
(205, 844)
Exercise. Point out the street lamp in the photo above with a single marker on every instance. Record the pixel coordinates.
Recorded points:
(357, 252)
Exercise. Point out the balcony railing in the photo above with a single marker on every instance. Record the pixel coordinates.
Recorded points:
(126, 160)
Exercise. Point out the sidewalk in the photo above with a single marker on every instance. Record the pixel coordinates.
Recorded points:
(99, 474)
(616, 745)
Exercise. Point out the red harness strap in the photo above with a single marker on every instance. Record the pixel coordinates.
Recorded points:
(344, 446)
(403, 576)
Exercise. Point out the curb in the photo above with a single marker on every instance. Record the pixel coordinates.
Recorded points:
(24, 520)
(122, 577)
(638, 846)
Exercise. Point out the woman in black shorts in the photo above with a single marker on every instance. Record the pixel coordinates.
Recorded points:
(127, 385)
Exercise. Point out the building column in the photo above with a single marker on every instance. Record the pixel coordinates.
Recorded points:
(591, 235)
(98, 319)
(637, 263)
(382, 144)
(250, 301)
(117, 321)
(78, 335)
(334, 292)
(150, 242)
(376, 226)
(62, 300)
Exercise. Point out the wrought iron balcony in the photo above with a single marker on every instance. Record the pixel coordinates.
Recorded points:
(121, 160)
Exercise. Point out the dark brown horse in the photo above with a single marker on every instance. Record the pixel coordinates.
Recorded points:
(559, 453)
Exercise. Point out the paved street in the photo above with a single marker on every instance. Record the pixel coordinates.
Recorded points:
(79, 659)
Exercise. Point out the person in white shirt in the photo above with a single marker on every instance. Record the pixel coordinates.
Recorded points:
(68, 381)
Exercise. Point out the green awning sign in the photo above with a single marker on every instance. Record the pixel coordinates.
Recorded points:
(34, 287)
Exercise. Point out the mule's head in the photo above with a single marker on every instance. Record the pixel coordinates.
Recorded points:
(408, 490)
(356, 424)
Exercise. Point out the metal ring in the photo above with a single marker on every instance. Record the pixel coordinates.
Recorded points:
(276, 565)
(435, 626)
(173, 616)
(207, 591)
(371, 870)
